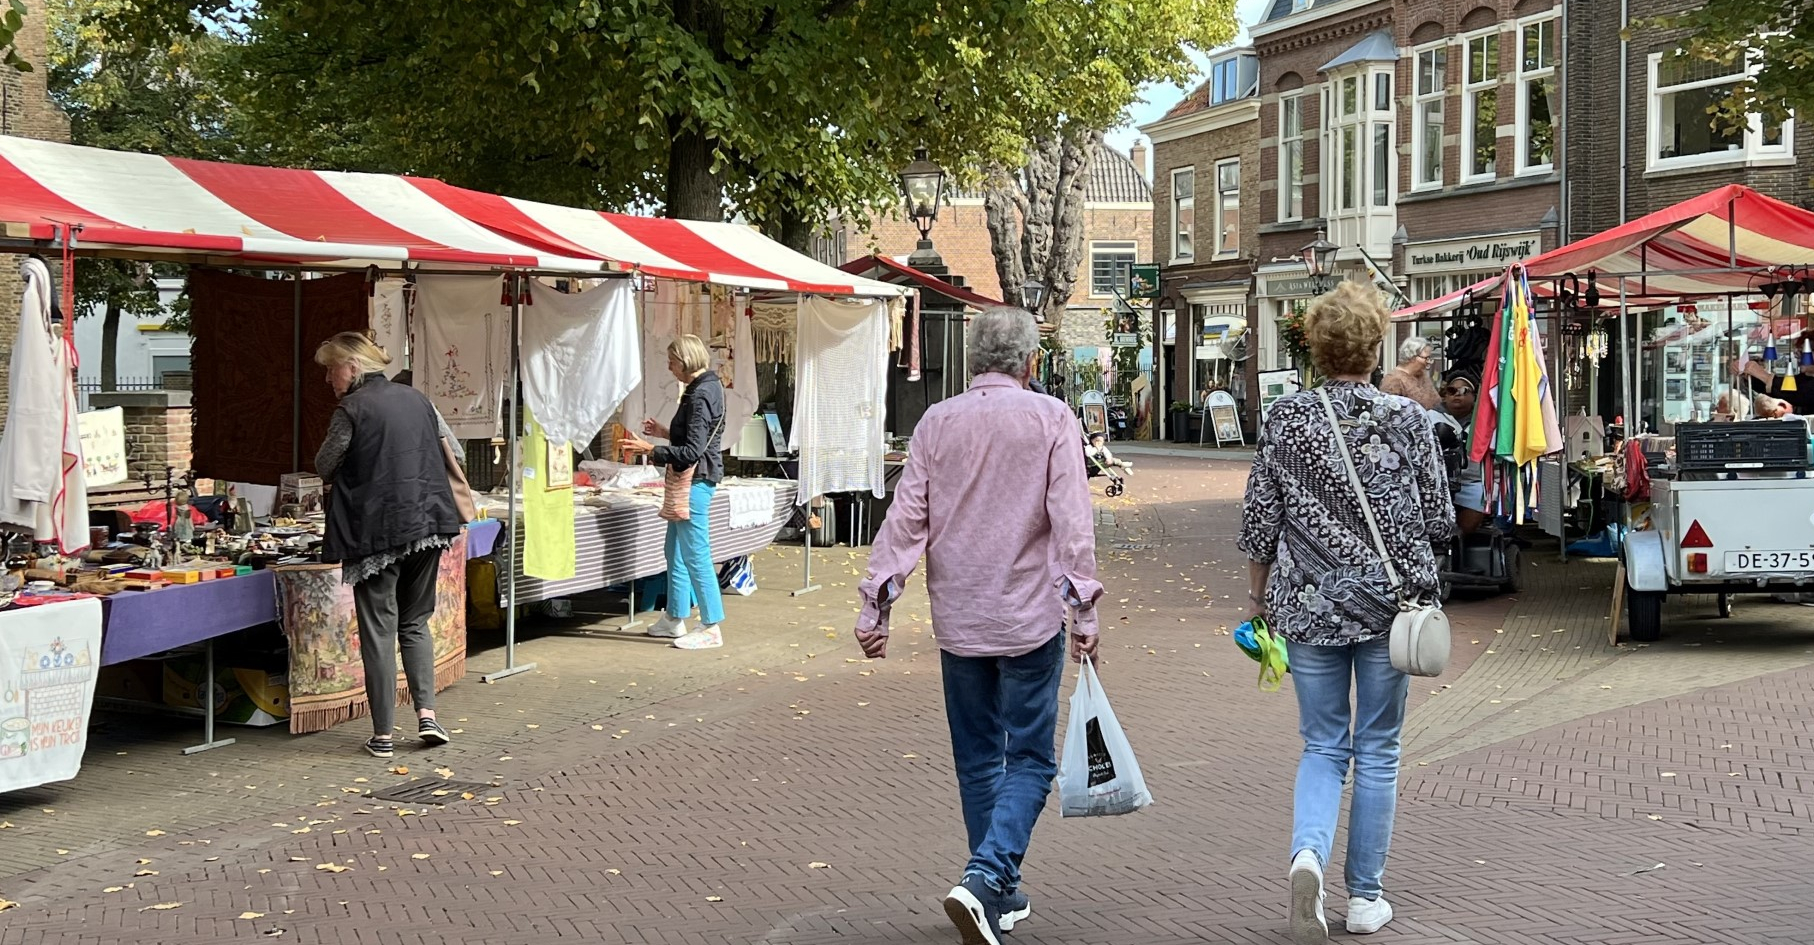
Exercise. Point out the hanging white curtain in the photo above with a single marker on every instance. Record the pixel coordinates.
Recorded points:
(841, 364)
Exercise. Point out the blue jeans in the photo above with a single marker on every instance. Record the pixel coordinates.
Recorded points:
(1003, 712)
(691, 576)
(1320, 675)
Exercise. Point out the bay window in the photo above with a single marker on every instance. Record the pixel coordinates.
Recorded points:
(1361, 138)
(1427, 109)
(1684, 132)
(1480, 107)
(1536, 118)
(1291, 157)
(1184, 211)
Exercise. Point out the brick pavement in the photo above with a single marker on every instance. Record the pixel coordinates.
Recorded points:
(816, 806)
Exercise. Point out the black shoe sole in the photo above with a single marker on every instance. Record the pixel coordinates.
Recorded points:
(386, 753)
(432, 737)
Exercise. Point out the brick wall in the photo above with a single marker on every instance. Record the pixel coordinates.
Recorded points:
(1289, 61)
(28, 113)
(158, 430)
(1203, 152)
(1593, 143)
(1511, 202)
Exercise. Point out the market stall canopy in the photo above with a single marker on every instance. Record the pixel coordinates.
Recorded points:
(155, 207)
(720, 253)
(1719, 243)
(884, 268)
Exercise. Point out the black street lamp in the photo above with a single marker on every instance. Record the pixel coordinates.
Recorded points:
(923, 184)
(1033, 296)
(1319, 262)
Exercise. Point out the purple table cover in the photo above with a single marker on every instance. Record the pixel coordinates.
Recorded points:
(141, 623)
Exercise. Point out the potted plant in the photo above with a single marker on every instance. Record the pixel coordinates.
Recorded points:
(1180, 422)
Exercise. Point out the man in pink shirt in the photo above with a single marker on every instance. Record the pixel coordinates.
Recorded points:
(996, 498)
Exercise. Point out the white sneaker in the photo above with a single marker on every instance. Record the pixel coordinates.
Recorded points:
(703, 639)
(669, 627)
(1308, 925)
(1366, 916)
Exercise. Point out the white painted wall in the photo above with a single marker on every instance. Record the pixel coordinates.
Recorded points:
(143, 354)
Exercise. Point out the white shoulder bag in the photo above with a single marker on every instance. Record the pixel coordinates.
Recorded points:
(1419, 643)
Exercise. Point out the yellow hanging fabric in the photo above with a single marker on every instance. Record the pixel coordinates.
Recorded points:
(548, 542)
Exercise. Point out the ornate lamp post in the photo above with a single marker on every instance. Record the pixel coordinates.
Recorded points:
(1319, 262)
(923, 184)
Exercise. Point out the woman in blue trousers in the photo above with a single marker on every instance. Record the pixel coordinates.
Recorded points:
(694, 440)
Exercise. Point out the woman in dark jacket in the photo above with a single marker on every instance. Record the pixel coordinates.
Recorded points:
(390, 515)
(693, 441)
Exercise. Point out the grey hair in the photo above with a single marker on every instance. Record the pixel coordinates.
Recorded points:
(1001, 340)
(1412, 347)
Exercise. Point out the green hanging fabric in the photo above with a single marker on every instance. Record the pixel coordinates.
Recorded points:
(548, 541)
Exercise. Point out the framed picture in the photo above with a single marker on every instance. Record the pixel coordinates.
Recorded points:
(560, 466)
(1226, 421)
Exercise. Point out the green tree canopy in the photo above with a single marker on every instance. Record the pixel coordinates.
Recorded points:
(1776, 36)
(783, 111)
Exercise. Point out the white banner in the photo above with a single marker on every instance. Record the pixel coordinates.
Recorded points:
(49, 657)
(103, 435)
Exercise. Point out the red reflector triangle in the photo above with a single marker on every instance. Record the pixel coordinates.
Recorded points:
(1696, 537)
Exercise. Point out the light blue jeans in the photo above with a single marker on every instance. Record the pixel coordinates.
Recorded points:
(1335, 736)
(691, 576)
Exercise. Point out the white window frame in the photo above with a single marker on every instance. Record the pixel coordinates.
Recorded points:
(1177, 204)
(1222, 250)
(1469, 89)
(1220, 92)
(1105, 247)
(1420, 162)
(1521, 112)
(1286, 213)
(1753, 151)
(1340, 125)
(1381, 138)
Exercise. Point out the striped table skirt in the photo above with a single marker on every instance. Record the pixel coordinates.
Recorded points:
(618, 545)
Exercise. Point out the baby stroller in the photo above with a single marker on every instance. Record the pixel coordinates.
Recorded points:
(1100, 462)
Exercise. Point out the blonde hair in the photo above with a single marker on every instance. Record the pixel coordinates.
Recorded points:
(352, 347)
(1344, 328)
(691, 352)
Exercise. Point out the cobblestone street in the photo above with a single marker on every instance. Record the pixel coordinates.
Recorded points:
(1557, 788)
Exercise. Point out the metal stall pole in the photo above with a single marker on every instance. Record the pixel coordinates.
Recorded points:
(295, 380)
(631, 621)
(516, 525)
(208, 703)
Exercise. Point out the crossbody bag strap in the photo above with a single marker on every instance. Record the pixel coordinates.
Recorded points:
(1360, 491)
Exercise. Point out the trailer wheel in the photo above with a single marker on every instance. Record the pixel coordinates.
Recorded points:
(1644, 610)
(1725, 605)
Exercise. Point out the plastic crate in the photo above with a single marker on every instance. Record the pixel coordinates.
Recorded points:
(1767, 445)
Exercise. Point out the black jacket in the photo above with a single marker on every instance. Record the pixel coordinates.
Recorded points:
(696, 434)
(391, 489)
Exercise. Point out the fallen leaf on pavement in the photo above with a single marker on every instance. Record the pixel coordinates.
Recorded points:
(714, 899)
(444, 772)
(497, 872)
(154, 833)
(1648, 869)
(146, 873)
(400, 769)
(332, 867)
(161, 907)
(113, 889)
(418, 856)
(251, 915)
(818, 866)
(511, 823)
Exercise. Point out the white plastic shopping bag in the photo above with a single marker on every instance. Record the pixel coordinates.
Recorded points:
(1097, 775)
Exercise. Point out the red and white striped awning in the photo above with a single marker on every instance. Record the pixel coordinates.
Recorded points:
(1720, 243)
(230, 214)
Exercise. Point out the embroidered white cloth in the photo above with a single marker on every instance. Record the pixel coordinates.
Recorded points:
(750, 505)
(580, 357)
(841, 368)
(50, 657)
(390, 322)
(741, 397)
(669, 309)
(43, 484)
(462, 350)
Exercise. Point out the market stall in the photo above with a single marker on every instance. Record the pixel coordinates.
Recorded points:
(1711, 327)
(403, 236)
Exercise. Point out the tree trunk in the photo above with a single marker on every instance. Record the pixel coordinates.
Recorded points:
(694, 192)
(110, 347)
(1035, 217)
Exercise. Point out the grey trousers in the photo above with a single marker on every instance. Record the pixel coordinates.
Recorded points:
(393, 607)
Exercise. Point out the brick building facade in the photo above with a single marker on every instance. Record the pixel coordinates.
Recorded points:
(1206, 217)
(1118, 222)
(25, 111)
(1670, 151)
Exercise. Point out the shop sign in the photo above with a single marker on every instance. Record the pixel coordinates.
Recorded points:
(1298, 287)
(1491, 253)
(1144, 283)
(1127, 339)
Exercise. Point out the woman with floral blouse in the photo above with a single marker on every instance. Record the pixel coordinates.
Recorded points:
(1317, 577)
